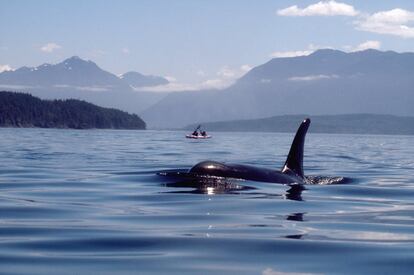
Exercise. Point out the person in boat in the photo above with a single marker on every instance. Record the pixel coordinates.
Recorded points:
(196, 133)
(203, 133)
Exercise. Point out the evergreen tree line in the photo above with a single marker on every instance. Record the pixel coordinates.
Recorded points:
(25, 110)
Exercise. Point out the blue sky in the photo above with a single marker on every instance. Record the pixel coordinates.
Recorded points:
(195, 42)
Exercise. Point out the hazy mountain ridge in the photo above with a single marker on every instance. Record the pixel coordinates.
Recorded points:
(81, 79)
(77, 72)
(24, 110)
(72, 71)
(325, 82)
(332, 124)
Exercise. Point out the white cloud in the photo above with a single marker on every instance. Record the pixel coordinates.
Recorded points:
(311, 48)
(170, 78)
(290, 53)
(312, 77)
(226, 72)
(217, 83)
(5, 67)
(125, 50)
(322, 8)
(246, 67)
(370, 44)
(393, 22)
(170, 87)
(50, 47)
(226, 76)
(94, 88)
(185, 87)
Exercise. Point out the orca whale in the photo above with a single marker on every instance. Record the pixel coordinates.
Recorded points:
(291, 172)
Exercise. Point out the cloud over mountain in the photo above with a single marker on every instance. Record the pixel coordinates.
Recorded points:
(50, 47)
(5, 67)
(397, 22)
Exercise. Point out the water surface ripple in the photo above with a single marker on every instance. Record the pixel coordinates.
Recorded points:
(91, 202)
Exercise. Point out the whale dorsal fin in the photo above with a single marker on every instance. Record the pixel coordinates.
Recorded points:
(294, 161)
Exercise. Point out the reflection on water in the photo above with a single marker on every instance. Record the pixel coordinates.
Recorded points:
(296, 236)
(295, 192)
(201, 185)
(91, 202)
(215, 185)
(295, 217)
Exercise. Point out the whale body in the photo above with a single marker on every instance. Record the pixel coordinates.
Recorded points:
(291, 172)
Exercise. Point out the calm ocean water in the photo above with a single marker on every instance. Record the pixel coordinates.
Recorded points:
(91, 202)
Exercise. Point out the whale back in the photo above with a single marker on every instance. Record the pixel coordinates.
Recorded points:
(294, 161)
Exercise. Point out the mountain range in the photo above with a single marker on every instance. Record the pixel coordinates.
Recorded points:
(78, 78)
(326, 82)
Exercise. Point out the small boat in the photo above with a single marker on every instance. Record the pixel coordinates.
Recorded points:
(198, 134)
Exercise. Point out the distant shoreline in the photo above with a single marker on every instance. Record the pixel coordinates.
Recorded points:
(364, 124)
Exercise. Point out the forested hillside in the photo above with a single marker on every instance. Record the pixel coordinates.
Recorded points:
(24, 110)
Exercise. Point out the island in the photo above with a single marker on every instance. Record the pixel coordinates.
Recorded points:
(25, 110)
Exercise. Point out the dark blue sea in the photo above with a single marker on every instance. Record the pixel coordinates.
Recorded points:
(94, 202)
